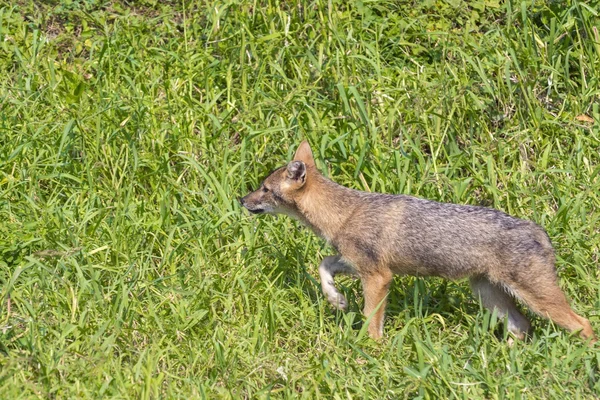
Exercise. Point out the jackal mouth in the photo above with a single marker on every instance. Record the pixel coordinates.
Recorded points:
(256, 211)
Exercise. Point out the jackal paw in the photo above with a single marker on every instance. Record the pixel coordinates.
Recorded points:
(338, 301)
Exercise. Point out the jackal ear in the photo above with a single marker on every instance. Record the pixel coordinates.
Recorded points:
(296, 170)
(304, 154)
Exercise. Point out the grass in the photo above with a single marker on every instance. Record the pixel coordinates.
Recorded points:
(128, 129)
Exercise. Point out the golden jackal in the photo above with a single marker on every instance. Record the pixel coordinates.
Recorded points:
(377, 235)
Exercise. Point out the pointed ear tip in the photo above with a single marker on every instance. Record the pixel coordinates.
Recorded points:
(305, 145)
(304, 153)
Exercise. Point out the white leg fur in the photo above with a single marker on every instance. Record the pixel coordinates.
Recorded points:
(495, 297)
(328, 269)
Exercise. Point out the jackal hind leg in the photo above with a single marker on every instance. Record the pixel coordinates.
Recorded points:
(543, 295)
(494, 297)
(328, 269)
(376, 287)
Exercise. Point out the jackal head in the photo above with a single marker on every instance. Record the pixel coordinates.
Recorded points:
(279, 191)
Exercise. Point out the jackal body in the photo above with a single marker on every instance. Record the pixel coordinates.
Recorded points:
(377, 235)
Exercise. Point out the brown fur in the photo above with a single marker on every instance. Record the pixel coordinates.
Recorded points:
(378, 235)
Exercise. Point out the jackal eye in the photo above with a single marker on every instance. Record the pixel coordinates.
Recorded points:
(264, 189)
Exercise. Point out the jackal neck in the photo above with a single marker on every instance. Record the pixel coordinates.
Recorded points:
(325, 206)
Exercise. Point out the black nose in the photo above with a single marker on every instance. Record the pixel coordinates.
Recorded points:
(241, 200)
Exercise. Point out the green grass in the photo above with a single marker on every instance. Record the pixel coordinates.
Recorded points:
(128, 129)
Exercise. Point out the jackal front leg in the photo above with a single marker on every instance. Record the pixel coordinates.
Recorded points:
(329, 268)
(376, 287)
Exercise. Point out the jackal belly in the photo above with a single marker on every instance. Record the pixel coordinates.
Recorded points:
(446, 264)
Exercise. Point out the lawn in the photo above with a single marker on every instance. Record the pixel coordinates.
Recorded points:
(129, 128)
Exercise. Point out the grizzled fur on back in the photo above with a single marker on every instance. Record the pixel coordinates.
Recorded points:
(378, 235)
(427, 232)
